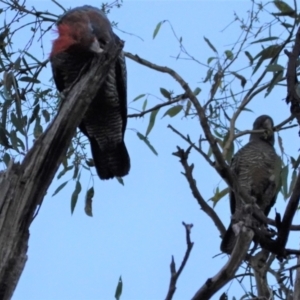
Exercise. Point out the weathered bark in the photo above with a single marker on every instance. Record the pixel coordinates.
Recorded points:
(226, 274)
(260, 268)
(24, 185)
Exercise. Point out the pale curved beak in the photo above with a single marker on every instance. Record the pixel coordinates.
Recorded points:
(95, 46)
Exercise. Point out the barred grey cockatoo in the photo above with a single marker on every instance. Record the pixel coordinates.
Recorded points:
(257, 168)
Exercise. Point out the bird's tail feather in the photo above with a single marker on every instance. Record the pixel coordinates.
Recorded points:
(110, 162)
(228, 241)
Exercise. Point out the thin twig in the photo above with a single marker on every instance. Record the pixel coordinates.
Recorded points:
(175, 274)
(188, 140)
(158, 106)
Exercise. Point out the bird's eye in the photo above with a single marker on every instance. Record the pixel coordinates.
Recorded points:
(102, 42)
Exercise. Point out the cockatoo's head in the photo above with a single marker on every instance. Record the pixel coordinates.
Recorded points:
(266, 123)
(82, 29)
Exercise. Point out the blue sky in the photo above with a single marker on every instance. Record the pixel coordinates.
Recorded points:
(137, 227)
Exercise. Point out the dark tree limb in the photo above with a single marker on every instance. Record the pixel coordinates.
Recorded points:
(188, 173)
(288, 216)
(175, 274)
(226, 274)
(24, 185)
(260, 268)
(220, 164)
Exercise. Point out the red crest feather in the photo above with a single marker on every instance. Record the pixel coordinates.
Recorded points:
(64, 40)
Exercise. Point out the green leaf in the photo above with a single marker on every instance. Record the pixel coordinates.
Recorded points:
(280, 143)
(29, 79)
(286, 25)
(88, 208)
(208, 75)
(209, 153)
(119, 288)
(139, 97)
(3, 137)
(269, 52)
(277, 77)
(284, 7)
(188, 107)
(64, 171)
(8, 79)
(173, 111)
(151, 121)
(26, 64)
(296, 163)
(247, 109)
(249, 57)
(46, 115)
(210, 44)
(38, 129)
(144, 104)
(17, 123)
(157, 28)
(17, 63)
(14, 139)
(210, 59)
(165, 93)
(145, 139)
(231, 149)
(257, 65)
(33, 57)
(197, 91)
(60, 188)
(6, 159)
(292, 184)
(35, 113)
(271, 38)
(76, 171)
(219, 195)
(241, 78)
(75, 194)
(274, 68)
(120, 180)
(223, 296)
(229, 54)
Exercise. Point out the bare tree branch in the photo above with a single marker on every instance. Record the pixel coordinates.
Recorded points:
(187, 139)
(15, 4)
(220, 165)
(175, 274)
(290, 211)
(260, 268)
(226, 274)
(188, 173)
(23, 186)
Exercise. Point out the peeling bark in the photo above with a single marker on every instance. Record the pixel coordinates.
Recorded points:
(24, 185)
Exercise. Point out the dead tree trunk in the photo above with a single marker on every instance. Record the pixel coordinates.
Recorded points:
(24, 185)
